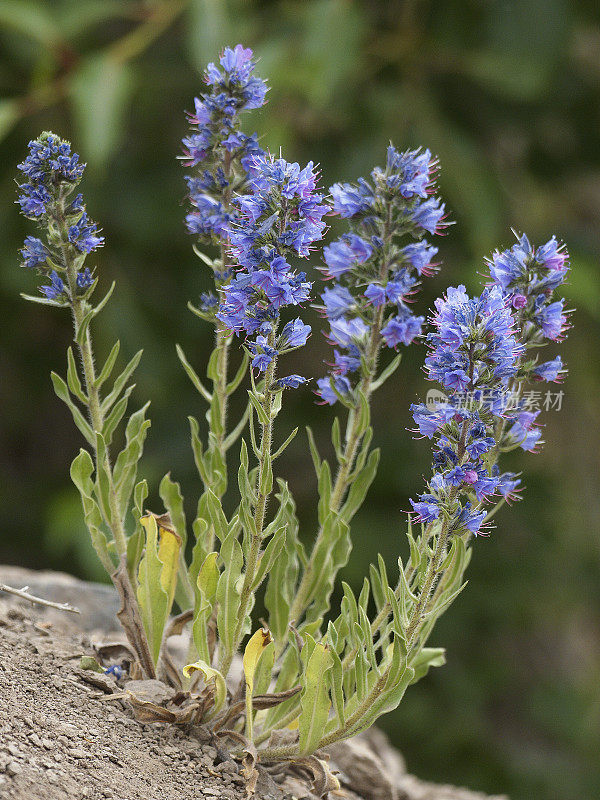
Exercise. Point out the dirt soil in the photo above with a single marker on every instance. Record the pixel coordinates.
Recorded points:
(62, 738)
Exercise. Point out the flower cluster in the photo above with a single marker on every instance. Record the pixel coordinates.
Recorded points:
(482, 347)
(216, 146)
(280, 218)
(374, 271)
(52, 173)
(528, 278)
(474, 348)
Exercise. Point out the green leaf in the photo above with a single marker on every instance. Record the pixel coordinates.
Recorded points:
(43, 301)
(387, 372)
(426, 658)
(73, 380)
(170, 494)
(260, 411)
(108, 365)
(239, 375)
(280, 449)
(192, 375)
(216, 515)
(82, 469)
(228, 592)
(100, 91)
(207, 581)
(360, 487)
(152, 597)
(316, 458)
(336, 681)
(62, 391)
(125, 469)
(315, 698)
(116, 415)
(120, 382)
(269, 556)
(82, 328)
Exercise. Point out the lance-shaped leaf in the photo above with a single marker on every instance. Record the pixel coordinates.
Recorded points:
(73, 378)
(82, 469)
(315, 698)
(62, 391)
(207, 581)
(228, 591)
(360, 487)
(268, 557)
(120, 382)
(192, 375)
(156, 584)
(211, 676)
(109, 364)
(126, 465)
(426, 658)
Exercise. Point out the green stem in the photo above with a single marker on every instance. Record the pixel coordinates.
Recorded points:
(354, 436)
(260, 508)
(89, 374)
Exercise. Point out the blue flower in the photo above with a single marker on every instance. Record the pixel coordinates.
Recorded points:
(290, 382)
(53, 171)
(426, 508)
(420, 256)
(375, 294)
(338, 301)
(294, 334)
(552, 321)
(428, 215)
(84, 235)
(34, 252)
(326, 392)
(528, 276)
(402, 329)
(49, 165)
(345, 254)
(56, 289)
(550, 370)
(350, 200)
(279, 219)
(84, 279)
(523, 433)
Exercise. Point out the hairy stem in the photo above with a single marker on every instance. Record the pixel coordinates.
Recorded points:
(89, 374)
(262, 497)
(354, 436)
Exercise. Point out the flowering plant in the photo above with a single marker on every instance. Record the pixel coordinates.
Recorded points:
(309, 678)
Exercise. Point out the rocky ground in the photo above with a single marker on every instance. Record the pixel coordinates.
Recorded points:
(64, 738)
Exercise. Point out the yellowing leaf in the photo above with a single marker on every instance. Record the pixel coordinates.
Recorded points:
(152, 598)
(169, 545)
(256, 646)
(210, 675)
(254, 649)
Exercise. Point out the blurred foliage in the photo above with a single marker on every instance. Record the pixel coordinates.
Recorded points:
(507, 93)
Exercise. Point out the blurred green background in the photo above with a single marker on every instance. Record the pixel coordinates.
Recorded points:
(508, 95)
